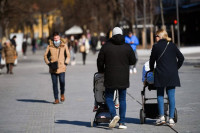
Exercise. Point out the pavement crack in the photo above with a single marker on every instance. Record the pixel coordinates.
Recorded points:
(134, 98)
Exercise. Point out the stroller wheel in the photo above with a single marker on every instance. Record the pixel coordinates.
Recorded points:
(175, 116)
(142, 116)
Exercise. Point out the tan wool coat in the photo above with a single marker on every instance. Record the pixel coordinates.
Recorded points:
(52, 54)
(9, 54)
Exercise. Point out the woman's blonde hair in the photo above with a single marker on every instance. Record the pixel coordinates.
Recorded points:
(163, 35)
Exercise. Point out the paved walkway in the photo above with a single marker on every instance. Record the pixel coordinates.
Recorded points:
(26, 99)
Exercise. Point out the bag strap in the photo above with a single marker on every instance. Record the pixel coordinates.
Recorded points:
(163, 52)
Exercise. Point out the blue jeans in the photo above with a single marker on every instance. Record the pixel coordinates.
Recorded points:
(122, 102)
(54, 78)
(171, 96)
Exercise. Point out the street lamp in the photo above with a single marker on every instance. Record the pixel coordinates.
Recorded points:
(178, 30)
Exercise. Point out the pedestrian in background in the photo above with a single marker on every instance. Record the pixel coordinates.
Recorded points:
(168, 60)
(84, 47)
(1, 47)
(57, 52)
(0, 50)
(33, 43)
(94, 41)
(13, 41)
(72, 48)
(113, 60)
(133, 42)
(9, 54)
(24, 47)
(102, 38)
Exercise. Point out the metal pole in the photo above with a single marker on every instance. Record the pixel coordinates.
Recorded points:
(178, 29)
(151, 22)
(136, 17)
(144, 11)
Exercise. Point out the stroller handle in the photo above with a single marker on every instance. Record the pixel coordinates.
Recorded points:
(147, 73)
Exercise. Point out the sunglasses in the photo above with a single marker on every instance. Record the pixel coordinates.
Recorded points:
(156, 36)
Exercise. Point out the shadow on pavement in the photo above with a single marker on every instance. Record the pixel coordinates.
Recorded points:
(79, 123)
(33, 101)
(137, 121)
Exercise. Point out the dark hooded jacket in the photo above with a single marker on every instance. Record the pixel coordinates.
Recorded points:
(113, 60)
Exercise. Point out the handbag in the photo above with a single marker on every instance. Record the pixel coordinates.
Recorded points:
(54, 65)
(3, 62)
(82, 48)
(16, 61)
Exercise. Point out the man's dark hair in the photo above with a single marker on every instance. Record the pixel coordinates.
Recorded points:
(14, 37)
(130, 32)
(56, 34)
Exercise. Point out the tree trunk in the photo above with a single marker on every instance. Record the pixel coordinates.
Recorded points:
(151, 17)
(144, 26)
(161, 12)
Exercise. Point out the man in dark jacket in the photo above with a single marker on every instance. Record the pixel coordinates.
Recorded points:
(114, 60)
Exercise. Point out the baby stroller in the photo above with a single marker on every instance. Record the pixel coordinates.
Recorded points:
(102, 114)
(150, 110)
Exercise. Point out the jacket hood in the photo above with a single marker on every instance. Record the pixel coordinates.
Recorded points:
(118, 39)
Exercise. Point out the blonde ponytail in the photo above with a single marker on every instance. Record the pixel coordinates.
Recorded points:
(168, 39)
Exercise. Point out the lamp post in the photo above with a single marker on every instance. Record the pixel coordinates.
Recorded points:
(136, 32)
(178, 29)
(144, 26)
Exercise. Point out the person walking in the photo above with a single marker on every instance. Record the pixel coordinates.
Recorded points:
(34, 47)
(113, 60)
(9, 54)
(94, 41)
(133, 42)
(24, 47)
(72, 48)
(1, 47)
(168, 60)
(13, 41)
(57, 57)
(84, 47)
(0, 50)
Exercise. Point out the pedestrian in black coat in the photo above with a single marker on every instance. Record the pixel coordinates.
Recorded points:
(168, 60)
(113, 60)
(166, 72)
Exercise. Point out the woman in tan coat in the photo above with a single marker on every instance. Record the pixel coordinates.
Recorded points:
(57, 51)
(9, 54)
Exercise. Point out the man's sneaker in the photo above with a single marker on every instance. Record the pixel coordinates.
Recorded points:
(117, 106)
(114, 121)
(134, 70)
(171, 122)
(122, 126)
(131, 71)
(160, 121)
